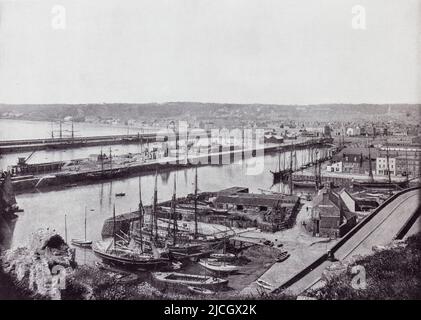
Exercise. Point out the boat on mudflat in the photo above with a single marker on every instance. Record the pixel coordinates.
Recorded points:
(282, 256)
(188, 250)
(198, 290)
(223, 256)
(263, 284)
(177, 280)
(81, 243)
(128, 258)
(218, 266)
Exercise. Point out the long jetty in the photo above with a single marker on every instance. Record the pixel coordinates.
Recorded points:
(68, 178)
(13, 146)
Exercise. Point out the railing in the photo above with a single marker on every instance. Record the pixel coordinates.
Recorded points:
(346, 237)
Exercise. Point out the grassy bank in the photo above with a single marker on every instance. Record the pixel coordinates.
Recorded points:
(392, 274)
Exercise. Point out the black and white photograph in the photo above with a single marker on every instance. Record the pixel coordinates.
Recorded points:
(209, 151)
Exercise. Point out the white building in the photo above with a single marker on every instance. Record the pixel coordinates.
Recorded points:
(335, 167)
(381, 166)
(350, 132)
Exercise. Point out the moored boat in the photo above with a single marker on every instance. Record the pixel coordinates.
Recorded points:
(128, 258)
(199, 290)
(282, 257)
(218, 266)
(263, 284)
(223, 256)
(81, 243)
(175, 280)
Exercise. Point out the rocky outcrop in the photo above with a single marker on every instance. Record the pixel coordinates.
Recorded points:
(7, 195)
(42, 266)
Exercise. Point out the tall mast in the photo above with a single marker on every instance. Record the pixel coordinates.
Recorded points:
(155, 204)
(114, 237)
(407, 165)
(174, 216)
(370, 173)
(316, 173)
(85, 223)
(65, 228)
(111, 159)
(291, 158)
(195, 203)
(387, 162)
(284, 155)
(102, 161)
(141, 213)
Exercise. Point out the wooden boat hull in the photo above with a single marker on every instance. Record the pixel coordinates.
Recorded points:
(198, 290)
(263, 284)
(282, 257)
(220, 269)
(223, 256)
(181, 281)
(150, 264)
(384, 185)
(304, 184)
(81, 243)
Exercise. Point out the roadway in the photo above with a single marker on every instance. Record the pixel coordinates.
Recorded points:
(380, 230)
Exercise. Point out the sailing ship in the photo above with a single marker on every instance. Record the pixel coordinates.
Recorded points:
(111, 252)
(181, 246)
(83, 243)
(135, 251)
(107, 173)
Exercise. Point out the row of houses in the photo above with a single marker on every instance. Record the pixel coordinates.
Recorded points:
(398, 159)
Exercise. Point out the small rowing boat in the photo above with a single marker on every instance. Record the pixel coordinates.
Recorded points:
(282, 256)
(264, 284)
(174, 279)
(81, 243)
(218, 266)
(199, 290)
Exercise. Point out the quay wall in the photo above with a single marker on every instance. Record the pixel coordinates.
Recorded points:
(52, 180)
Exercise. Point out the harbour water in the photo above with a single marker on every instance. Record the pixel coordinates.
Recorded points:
(48, 209)
(42, 129)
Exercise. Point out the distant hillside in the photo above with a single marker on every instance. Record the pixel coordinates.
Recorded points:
(125, 111)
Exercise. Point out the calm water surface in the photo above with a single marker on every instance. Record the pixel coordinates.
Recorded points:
(47, 209)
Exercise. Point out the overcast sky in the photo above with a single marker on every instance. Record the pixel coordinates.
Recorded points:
(236, 51)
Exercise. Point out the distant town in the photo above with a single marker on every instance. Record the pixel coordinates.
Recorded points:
(160, 213)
